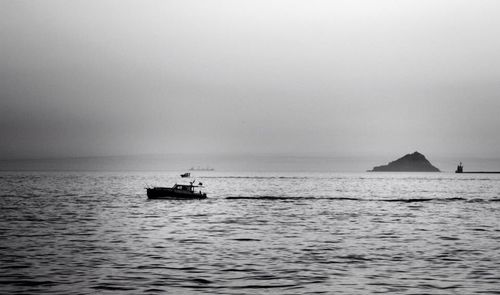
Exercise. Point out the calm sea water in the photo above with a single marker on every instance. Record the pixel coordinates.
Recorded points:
(258, 233)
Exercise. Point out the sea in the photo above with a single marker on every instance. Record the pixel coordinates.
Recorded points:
(80, 232)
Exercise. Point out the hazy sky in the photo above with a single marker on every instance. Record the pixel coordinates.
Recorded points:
(80, 78)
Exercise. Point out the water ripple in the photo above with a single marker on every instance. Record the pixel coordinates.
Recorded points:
(87, 233)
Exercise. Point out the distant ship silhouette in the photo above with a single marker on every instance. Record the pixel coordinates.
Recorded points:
(198, 168)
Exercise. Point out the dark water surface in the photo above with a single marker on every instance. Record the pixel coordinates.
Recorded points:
(258, 233)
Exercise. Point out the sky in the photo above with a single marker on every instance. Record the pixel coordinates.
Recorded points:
(340, 78)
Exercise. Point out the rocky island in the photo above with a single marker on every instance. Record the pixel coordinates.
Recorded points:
(415, 162)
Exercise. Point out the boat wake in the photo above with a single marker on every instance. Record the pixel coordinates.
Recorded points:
(402, 200)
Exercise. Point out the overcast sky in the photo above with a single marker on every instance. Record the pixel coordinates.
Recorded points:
(84, 78)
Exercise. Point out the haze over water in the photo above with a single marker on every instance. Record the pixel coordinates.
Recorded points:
(257, 233)
(346, 78)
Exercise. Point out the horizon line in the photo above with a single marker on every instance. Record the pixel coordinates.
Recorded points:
(240, 154)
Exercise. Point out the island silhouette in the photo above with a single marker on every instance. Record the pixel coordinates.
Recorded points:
(415, 162)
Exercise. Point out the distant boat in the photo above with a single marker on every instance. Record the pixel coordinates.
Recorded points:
(185, 175)
(176, 192)
(198, 168)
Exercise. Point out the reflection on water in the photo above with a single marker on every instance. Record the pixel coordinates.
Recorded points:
(86, 233)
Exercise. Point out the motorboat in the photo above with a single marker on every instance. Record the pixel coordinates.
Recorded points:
(176, 192)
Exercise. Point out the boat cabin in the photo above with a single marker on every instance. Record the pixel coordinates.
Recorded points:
(184, 187)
